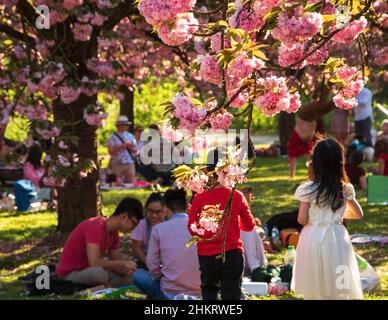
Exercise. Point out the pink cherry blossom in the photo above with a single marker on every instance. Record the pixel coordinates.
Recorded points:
(221, 120)
(345, 72)
(290, 30)
(180, 31)
(157, 11)
(351, 32)
(290, 55)
(189, 115)
(261, 7)
(245, 19)
(71, 4)
(82, 32)
(275, 96)
(242, 67)
(170, 134)
(209, 70)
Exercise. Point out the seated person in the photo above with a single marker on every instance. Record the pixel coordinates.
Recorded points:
(141, 234)
(157, 169)
(381, 149)
(354, 170)
(173, 269)
(82, 259)
(254, 252)
(34, 171)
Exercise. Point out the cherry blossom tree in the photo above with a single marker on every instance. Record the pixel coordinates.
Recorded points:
(237, 55)
(262, 54)
(54, 77)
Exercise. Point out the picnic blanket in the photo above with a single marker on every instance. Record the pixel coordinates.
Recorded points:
(126, 186)
(364, 239)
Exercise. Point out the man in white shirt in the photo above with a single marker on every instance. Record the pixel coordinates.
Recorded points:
(363, 117)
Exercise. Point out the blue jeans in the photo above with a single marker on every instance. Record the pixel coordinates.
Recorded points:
(146, 283)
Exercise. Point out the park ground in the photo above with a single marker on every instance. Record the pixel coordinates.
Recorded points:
(29, 239)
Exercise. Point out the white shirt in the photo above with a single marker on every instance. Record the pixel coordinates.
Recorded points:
(364, 107)
(122, 156)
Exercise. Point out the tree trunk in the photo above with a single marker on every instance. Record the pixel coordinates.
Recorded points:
(127, 105)
(286, 123)
(80, 198)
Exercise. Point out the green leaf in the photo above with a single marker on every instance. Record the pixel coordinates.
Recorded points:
(315, 7)
(272, 14)
(260, 54)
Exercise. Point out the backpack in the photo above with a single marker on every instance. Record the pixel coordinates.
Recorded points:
(24, 193)
(57, 285)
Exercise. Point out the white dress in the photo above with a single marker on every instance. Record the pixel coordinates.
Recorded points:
(325, 266)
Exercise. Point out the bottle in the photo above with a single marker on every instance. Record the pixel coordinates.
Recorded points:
(289, 257)
(266, 232)
(275, 237)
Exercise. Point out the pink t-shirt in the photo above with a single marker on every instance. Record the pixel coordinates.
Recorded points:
(140, 233)
(32, 174)
(74, 256)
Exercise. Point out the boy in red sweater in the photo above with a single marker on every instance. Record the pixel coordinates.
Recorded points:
(217, 276)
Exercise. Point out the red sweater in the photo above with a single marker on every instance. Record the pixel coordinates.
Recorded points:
(240, 218)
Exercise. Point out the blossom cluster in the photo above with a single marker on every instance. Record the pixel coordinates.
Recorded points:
(190, 116)
(346, 97)
(209, 220)
(276, 97)
(173, 21)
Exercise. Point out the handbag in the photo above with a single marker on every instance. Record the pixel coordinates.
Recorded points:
(135, 160)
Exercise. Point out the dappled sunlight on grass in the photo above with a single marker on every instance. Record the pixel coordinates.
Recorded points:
(29, 239)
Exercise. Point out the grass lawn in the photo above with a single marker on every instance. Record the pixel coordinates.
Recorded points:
(29, 239)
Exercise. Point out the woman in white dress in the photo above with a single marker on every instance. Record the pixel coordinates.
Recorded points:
(325, 265)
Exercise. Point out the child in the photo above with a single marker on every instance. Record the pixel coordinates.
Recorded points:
(381, 149)
(217, 276)
(254, 254)
(82, 260)
(354, 170)
(325, 265)
(141, 235)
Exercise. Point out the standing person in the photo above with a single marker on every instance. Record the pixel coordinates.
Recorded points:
(363, 116)
(140, 236)
(218, 276)
(254, 253)
(340, 125)
(381, 149)
(325, 252)
(355, 172)
(122, 148)
(173, 268)
(82, 259)
(308, 129)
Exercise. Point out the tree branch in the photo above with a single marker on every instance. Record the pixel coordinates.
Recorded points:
(17, 35)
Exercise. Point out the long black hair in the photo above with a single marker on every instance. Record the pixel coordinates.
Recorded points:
(35, 155)
(330, 175)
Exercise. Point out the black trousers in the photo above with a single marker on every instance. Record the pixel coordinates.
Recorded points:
(217, 276)
(363, 129)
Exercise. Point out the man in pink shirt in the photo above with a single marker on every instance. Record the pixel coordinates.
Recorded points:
(173, 269)
(82, 259)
